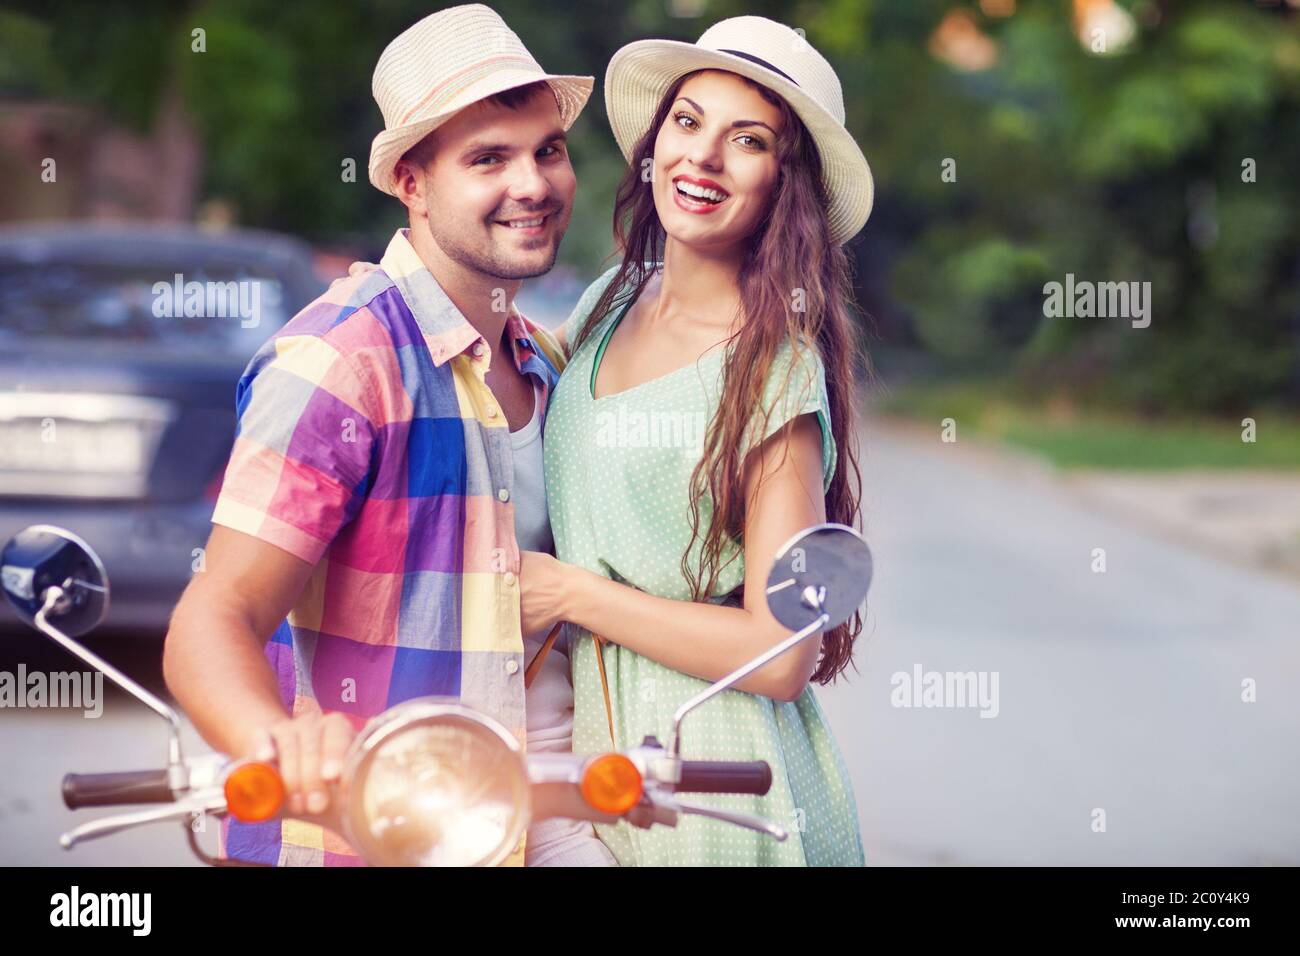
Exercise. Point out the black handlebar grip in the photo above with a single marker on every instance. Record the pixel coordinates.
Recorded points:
(106, 789)
(721, 776)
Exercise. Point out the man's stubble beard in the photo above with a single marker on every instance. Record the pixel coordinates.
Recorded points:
(490, 265)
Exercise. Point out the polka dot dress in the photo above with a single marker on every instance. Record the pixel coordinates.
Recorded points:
(617, 474)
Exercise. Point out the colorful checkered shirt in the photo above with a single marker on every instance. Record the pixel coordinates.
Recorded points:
(370, 445)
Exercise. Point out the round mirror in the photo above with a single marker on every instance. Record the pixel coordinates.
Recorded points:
(42, 556)
(834, 561)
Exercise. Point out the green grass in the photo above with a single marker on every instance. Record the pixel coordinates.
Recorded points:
(1073, 437)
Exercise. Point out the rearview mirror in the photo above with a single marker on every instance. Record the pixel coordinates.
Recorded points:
(831, 559)
(58, 585)
(818, 579)
(43, 556)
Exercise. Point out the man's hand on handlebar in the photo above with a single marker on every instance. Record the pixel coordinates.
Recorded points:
(309, 751)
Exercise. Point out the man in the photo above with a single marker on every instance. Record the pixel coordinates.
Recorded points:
(367, 520)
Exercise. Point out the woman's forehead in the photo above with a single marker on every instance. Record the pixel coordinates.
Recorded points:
(730, 94)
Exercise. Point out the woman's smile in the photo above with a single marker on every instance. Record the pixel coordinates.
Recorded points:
(698, 195)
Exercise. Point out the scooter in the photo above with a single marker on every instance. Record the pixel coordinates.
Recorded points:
(430, 781)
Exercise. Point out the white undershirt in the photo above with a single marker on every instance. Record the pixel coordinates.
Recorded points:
(549, 702)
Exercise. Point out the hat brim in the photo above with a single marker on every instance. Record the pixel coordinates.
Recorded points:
(641, 73)
(571, 95)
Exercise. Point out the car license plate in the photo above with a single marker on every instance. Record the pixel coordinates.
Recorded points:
(61, 445)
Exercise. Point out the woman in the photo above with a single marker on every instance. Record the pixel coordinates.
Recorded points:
(704, 417)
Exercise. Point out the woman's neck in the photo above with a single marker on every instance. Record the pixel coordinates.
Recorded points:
(700, 285)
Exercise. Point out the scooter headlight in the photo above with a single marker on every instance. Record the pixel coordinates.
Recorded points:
(433, 783)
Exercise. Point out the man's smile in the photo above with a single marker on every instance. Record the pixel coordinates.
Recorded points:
(533, 225)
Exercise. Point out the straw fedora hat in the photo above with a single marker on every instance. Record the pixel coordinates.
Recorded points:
(442, 64)
(768, 53)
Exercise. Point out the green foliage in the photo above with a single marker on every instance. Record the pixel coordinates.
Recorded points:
(1073, 437)
(960, 285)
(1126, 167)
(1123, 167)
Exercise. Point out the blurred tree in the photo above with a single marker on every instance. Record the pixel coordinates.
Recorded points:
(1114, 168)
(1170, 159)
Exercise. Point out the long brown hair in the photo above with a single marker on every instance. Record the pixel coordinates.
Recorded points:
(794, 254)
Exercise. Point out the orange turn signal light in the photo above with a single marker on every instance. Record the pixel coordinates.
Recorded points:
(611, 784)
(254, 792)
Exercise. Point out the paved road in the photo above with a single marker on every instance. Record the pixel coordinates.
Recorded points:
(1119, 691)
(37, 747)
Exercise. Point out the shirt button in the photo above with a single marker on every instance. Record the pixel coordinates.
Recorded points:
(492, 413)
(511, 667)
(510, 579)
(504, 494)
(478, 349)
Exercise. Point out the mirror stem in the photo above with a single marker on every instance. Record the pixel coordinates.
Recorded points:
(53, 595)
(674, 742)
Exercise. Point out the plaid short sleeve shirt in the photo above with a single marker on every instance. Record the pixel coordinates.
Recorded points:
(370, 445)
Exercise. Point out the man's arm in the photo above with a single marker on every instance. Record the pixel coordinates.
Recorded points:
(214, 664)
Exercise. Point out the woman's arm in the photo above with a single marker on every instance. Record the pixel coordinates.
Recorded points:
(783, 492)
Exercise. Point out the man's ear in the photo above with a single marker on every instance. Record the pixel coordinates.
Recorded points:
(410, 185)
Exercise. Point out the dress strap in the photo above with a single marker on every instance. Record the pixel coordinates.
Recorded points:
(535, 665)
(604, 686)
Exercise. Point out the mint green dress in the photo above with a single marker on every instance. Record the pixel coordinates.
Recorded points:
(617, 476)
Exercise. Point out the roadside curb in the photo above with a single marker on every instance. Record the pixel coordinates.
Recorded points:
(1249, 518)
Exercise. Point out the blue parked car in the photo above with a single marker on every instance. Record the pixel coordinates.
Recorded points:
(120, 348)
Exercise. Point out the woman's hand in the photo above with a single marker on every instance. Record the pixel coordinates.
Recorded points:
(356, 269)
(545, 584)
(783, 493)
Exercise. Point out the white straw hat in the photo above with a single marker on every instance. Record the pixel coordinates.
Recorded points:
(442, 64)
(766, 52)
